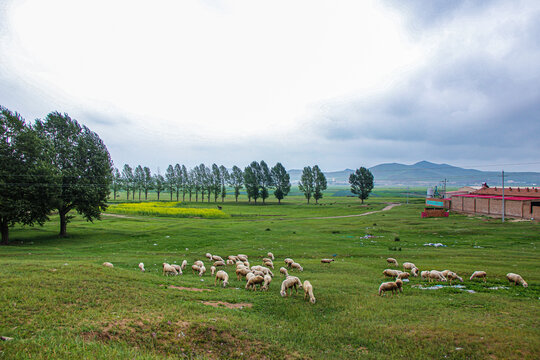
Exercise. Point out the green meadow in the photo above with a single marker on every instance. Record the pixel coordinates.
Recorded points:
(59, 302)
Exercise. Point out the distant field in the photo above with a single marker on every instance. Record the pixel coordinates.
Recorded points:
(61, 303)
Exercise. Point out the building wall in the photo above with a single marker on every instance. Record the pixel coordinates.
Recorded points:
(514, 208)
(482, 205)
(457, 203)
(535, 212)
(468, 205)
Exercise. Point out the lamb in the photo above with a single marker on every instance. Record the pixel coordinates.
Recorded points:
(289, 283)
(283, 271)
(391, 273)
(403, 275)
(202, 270)
(271, 256)
(254, 281)
(408, 266)
(394, 286)
(219, 263)
(450, 275)
(217, 258)
(392, 261)
(308, 291)
(184, 264)
(141, 266)
(242, 257)
(108, 264)
(326, 261)
(297, 266)
(436, 275)
(168, 269)
(424, 275)
(209, 256)
(212, 270)
(242, 272)
(414, 272)
(222, 276)
(195, 268)
(516, 279)
(178, 269)
(199, 263)
(479, 274)
(288, 261)
(267, 281)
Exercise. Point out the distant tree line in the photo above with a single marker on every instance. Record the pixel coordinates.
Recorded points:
(54, 164)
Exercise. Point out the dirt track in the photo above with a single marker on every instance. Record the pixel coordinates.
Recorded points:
(386, 208)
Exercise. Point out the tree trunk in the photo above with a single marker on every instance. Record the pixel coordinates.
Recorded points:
(63, 222)
(114, 194)
(279, 201)
(362, 200)
(139, 194)
(177, 195)
(158, 195)
(146, 194)
(5, 232)
(171, 195)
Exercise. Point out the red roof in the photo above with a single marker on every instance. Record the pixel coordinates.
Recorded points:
(518, 198)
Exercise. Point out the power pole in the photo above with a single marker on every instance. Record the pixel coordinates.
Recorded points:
(444, 191)
(503, 196)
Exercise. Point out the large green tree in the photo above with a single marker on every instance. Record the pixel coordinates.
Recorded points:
(170, 180)
(128, 180)
(265, 180)
(84, 166)
(307, 183)
(361, 183)
(215, 180)
(159, 183)
(320, 183)
(236, 180)
(116, 182)
(224, 181)
(282, 182)
(28, 181)
(251, 181)
(139, 180)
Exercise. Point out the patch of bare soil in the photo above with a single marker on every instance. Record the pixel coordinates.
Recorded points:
(185, 288)
(227, 305)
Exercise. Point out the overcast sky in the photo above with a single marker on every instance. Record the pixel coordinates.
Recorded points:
(342, 84)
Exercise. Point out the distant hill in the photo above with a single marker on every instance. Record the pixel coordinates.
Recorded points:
(425, 173)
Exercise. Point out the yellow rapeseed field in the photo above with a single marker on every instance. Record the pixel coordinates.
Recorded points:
(172, 209)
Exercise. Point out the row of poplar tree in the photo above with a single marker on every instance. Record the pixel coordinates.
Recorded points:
(257, 178)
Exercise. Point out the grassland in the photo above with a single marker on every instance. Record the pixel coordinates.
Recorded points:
(59, 302)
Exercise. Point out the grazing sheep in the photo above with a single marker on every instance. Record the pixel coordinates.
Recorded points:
(195, 268)
(168, 269)
(436, 275)
(254, 281)
(240, 264)
(283, 271)
(516, 279)
(414, 272)
(271, 256)
(265, 270)
(326, 261)
(257, 272)
(267, 281)
(288, 261)
(233, 258)
(184, 264)
(242, 272)
(242, 257)
(408, 266)
(108, 264)
(266, 259)
(199, 263)
(391, 272)
(289, 283)
(246, 264)
(392, 261)
(257, 267)
(230, 262)
(209, 256)
(212, 270)
(450, 275)
(249, 275)
(424, 275)
(219, 263)
(297, 266)
(479, 274)
(217, 258)
(394, 286)
(141, 266)
(270, 264)
(222, 276)
(178, 269)
(308, 291)
(403, 275)
(202, 270)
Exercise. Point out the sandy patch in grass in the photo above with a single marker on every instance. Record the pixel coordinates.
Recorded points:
(227, 305)
(185, 288)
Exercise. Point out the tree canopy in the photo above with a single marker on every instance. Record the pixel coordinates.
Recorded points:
(361, 183)
(307, 183)
(282, 181)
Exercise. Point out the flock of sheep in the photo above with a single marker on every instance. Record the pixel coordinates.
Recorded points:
(433, 275)
(257, 275)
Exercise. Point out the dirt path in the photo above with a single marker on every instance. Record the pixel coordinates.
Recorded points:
(386, 208)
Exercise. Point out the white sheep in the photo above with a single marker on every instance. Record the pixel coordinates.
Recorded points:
(199, 263)
(271, 256)
(242, 257)
(217, 258)
(230, 262)
(219, 263)
(270, 264)
(436, 275)
(479, 274)
(254, 281)
(297, 266)
(267, 281)
(178, 269)
(326, 261)
(209, 256)
(403, 275)
(141, 266)
(414, 272)
(257, 272)
(450, 275)
(168, 269)
(283, 271)
(233, 258)
(108, 264)
(242, 272)
(246, 264)
(408, 266)
(289, 283)
(308, 291)
(202, 270)
(394, 286)
(266, 259)
(516, 279)
(195, 268)
(424, 275)
(222, 276)
(392, 261)
(391, 272)
(212, 270)
(184, 264)
(288, 261)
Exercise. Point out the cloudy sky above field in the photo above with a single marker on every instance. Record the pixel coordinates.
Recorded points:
(337, 83)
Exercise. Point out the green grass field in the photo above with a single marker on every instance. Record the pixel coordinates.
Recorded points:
(59, 302)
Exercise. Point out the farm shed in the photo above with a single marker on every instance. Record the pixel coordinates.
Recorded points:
(521, 203)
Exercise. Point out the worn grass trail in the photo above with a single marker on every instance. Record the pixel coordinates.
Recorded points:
(59, 302)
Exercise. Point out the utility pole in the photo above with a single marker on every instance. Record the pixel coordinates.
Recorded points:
(444, 191)
(503, 196)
